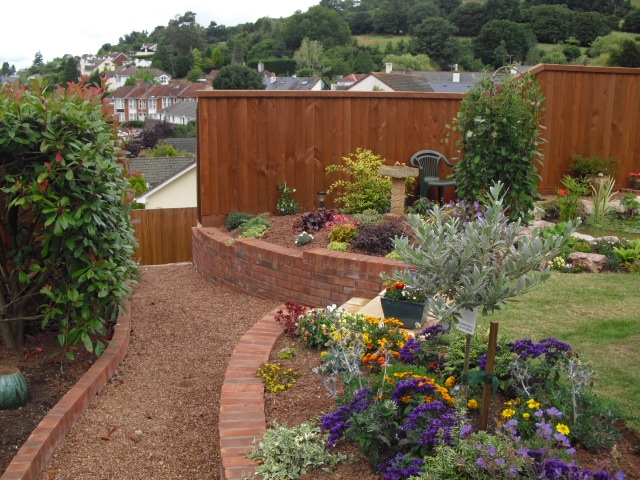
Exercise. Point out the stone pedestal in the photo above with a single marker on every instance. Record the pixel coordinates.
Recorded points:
(399, 175)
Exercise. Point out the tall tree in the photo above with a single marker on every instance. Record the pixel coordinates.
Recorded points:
(503, 10)
(492, 34)
(184, 33)
(318, 23)
(550, 23)
(588, 26)
(309, 55)
(469, 18)
(435, 37)
(70, 72)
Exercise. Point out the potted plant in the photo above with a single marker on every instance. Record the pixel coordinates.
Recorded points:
(634, 177)
(403, 302)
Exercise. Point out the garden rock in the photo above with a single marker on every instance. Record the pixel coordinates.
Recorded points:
(581, 236)
(607, 239)
(593, 261)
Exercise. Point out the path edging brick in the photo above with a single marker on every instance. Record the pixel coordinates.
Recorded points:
(35, 453)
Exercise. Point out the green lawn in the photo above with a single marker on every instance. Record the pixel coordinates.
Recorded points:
(599, 315)
(382, 40)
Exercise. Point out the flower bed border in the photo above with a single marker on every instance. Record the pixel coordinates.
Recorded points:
(317, 277)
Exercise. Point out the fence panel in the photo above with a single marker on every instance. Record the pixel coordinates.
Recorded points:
(250, 140)
(164, 235)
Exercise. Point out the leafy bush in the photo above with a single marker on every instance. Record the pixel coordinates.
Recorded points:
(69, 243)
(420, 207)
(162, 150)
(365, 189)
(314, 221)
(499, 138)
(276, 377)
(338, 246)
(377, 239)
(586, 167)
(289, 320)
(150, 137)
(288, 452)
(304, 238)
(235, 219)
(369, 217)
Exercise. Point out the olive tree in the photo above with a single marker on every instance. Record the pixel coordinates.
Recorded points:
(67, 241)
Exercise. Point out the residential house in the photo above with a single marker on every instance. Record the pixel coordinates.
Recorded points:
(343, 83)
(179, 113)
(140, 102)
(107, 63)
(172, 181)
(118, 77)
(391, 82)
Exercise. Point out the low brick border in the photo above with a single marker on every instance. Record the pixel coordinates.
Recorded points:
(35, 453)
(317, 276)
(242, 416)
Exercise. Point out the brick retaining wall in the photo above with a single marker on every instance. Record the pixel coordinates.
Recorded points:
(315, 277)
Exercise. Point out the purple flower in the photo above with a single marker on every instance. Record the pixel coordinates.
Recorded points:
(554, 412)
(491, 450)
(466, 430)
(339, 420)
(401, 467)
(481, 462)
(499, 461)
(544, 430)
(411, 386)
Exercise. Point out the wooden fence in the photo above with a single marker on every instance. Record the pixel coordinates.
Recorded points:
(164, 235)
(248, 140)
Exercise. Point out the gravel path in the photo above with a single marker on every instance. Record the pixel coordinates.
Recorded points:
(157, 417)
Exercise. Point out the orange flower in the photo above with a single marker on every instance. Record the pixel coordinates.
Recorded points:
(563, 193)
(399, 285)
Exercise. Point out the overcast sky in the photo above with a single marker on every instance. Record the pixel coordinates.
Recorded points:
(59, 28)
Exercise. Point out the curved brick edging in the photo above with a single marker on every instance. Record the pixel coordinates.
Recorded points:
(35, 453)
(314, 277)
(242, 416)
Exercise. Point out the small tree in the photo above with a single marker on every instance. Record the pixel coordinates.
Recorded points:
(498, 125)
(67, 242)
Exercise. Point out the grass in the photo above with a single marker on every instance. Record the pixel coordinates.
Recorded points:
(599, 315)
(381, 40)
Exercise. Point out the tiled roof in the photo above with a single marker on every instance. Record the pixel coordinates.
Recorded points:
(182, 109)
(173, 89)
(402, 82)
(292, 83)
(158, 170)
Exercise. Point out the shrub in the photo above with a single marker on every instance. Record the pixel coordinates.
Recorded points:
(235, 219)
(68, 240)
(314, 221)
(276, 377)
(369, 217)
(338, 246)
(499, 138)
(304, 238)
(366, 189)
(586, 167)
(289, 320)
(162, 150)
(377, 239)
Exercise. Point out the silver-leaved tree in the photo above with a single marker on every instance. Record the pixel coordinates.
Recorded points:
(477, 264)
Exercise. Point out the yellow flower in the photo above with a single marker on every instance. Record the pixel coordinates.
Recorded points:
(450, 382)
(473, 403)
(526, 416)
(533, 405)
(508, 413)
(562, 428)
(406, 399)
(322, 354)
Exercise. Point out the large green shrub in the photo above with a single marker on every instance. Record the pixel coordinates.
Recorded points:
(498, 125)
(67, 241)
(365, 189)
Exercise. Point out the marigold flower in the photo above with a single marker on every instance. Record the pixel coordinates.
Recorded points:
(398, 285)
(508, 413)
(563, 429)
(450, 382)
(526, 416)
(563, 193)
(473, 403)
(406, 399)
(533, 405)
(426, 399)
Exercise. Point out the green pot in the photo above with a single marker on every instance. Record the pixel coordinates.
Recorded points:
(407, 312)
(13, 388)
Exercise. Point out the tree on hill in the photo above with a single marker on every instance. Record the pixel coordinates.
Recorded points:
(309, 55)
(587, 26)
(238, 77)
(7, 70)
(435, 37)
(632, 21)
(494, 34)
(550, 23)
(469, 18)
(318, 23)
(70, 72)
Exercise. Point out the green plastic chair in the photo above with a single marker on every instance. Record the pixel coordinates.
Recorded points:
(428, 162)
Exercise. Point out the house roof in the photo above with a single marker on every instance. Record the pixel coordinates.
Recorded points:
(182, 109)
(142, 198)
(291, 83)
(402, 82)
(187, 144)
(131, 70)
(173, 89)
(158, 170)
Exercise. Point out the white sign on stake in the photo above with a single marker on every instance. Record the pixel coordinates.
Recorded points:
(467, 321)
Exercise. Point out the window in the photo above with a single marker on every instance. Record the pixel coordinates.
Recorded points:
(166, 102)
(142, 104)
(119, 104)
(121, 117)
(153, 104)
(132, 104)
(133, 116)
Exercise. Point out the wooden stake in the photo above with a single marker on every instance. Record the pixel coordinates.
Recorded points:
(488, 386)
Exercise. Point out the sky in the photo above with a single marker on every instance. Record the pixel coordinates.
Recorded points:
(56, 29)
